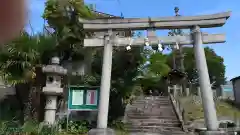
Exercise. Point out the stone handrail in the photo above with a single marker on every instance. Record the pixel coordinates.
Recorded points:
(179, 110)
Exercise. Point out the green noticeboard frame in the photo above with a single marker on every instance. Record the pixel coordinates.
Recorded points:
(83, 98)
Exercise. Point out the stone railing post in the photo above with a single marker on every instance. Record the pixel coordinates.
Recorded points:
(169, 89)
(175, 91)
(180, 89)
(187, 92)
(199, 92)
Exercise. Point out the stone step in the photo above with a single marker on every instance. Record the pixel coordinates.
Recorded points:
(157, 105)
(168, 124)
(162, 133)
(154, 129)
(163, 107)
(154, 120)
(150, 101)
(154, 110)
(158, 133)
(135, 108)
(136, 115)
(154, 97)
(149, 107)
(152, 113)
(151, 117)
(150, 132)
(151, 104)
(158, 128)
(144, 106)
(159, 100)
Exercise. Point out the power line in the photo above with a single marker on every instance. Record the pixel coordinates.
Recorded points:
(119, 3)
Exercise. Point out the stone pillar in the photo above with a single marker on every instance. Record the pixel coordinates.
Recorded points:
(199, 97)
(52, 89)
(180, 90)
(105, 90)
(50, 109)
(199, 91)
(169, 89)
(175, 92)
(206, 92)
(187, 92)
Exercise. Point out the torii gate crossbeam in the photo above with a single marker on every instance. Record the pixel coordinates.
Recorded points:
(176, 22)
(165, 40)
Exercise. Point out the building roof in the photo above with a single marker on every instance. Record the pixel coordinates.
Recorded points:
(234, 79)
(102, 15)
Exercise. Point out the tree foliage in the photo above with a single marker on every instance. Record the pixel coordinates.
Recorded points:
(19, 58)
(63, 16)
(70, 35)
(158, 64)
(20, 61)
(215, 64)
(153, 70)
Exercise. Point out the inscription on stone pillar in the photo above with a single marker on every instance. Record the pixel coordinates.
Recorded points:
(49, 101)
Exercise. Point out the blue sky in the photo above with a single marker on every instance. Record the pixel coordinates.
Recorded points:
(230, 50)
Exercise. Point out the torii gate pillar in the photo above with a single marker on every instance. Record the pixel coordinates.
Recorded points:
(105, 89)
(205, 86)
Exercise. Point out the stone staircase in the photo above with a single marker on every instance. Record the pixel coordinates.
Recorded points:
(152, 116)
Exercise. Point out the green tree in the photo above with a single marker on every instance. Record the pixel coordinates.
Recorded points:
(70, 35)
(19, 58)
(153, 71)
(19, 63)
(216, 67)
(63, 17)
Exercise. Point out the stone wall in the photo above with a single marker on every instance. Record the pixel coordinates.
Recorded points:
(6, 90)
(236, 89)
(226, 91)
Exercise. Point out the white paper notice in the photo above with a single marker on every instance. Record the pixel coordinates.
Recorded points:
(77, 97)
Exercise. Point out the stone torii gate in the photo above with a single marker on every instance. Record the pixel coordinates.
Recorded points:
(180, 22)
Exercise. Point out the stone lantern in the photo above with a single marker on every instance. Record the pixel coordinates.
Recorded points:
(53, 88)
